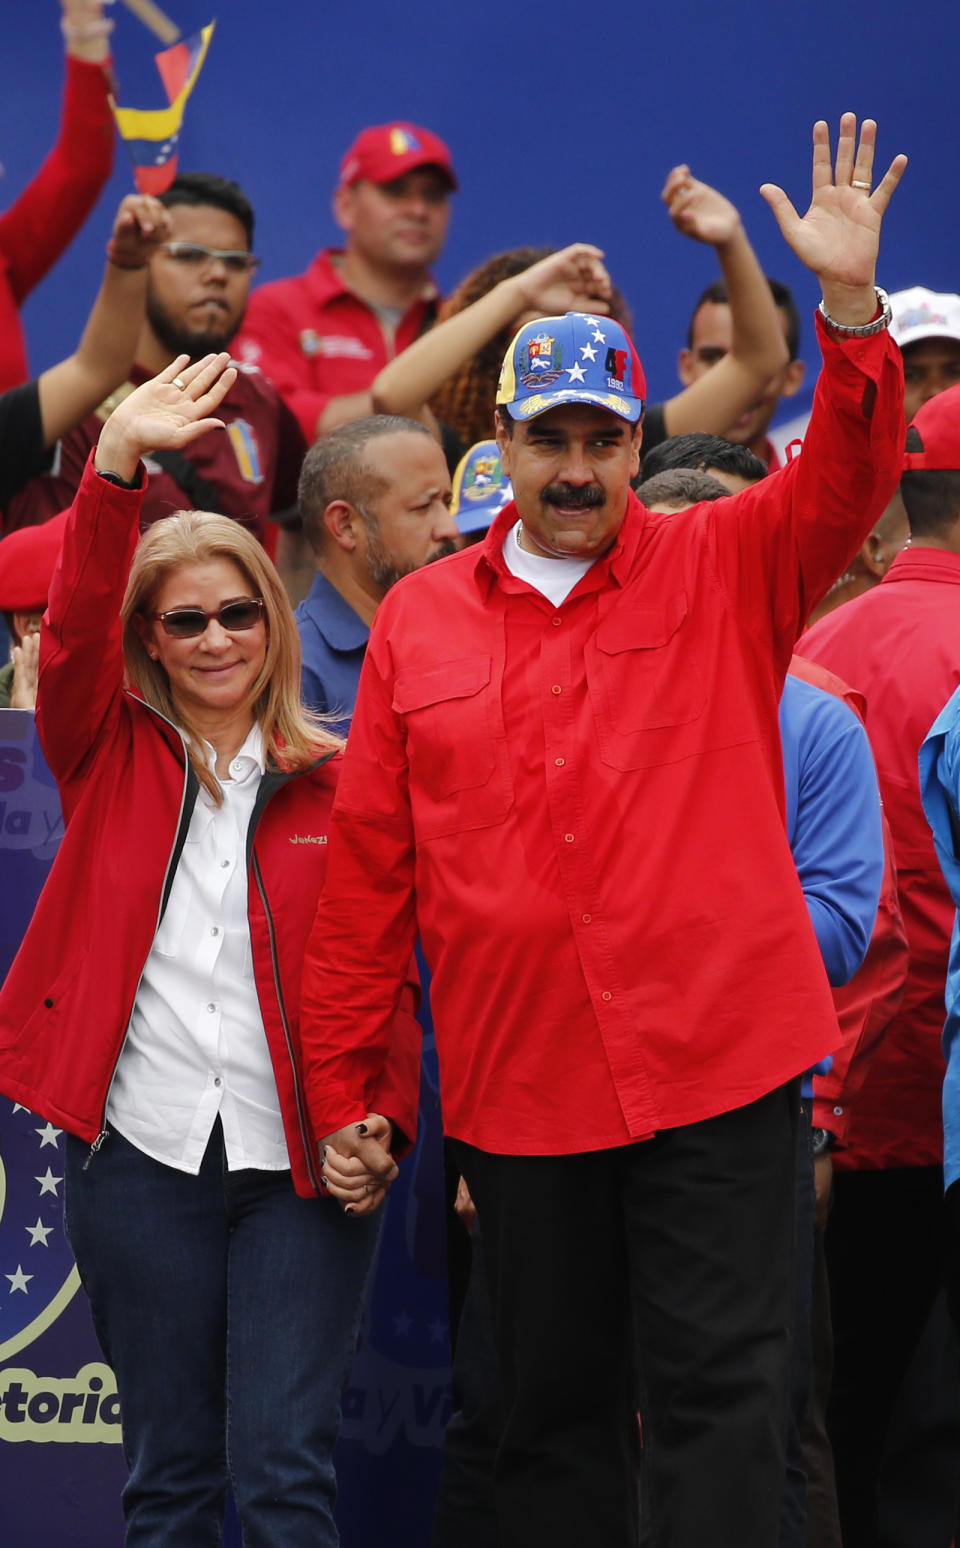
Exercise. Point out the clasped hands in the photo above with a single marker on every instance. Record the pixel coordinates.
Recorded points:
(357, 1167)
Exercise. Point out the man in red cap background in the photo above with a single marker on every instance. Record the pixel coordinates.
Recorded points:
(324, 335)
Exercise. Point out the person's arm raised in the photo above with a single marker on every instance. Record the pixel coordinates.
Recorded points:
(169, 411)
(73, 388)
(839, 236)
(715, 400)
(573, 279)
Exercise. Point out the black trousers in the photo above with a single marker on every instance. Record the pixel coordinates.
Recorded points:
(887, 1257)
(666, 1269)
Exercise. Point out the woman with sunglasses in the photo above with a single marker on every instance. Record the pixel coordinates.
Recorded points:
(152, 1011)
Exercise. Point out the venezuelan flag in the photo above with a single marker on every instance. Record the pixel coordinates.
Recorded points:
(152, 135)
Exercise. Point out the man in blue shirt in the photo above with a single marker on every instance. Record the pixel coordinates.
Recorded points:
(374, 498)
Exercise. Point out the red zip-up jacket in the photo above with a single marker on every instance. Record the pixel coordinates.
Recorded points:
(583, 809)
(317, 340)
(54, 205)
(127, 794)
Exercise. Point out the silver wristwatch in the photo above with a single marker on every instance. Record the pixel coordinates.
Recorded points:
(860, 330)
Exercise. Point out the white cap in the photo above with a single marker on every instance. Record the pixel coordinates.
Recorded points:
(919, 313)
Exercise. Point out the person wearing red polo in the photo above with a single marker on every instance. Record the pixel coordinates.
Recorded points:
(321, 337)
(565, 768)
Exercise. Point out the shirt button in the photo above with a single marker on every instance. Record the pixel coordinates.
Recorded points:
(606, 995)
(587, 918)
(559, 762)
(212, 1006)
(556, 688)
(214, 929)
(556, 622)
(224, 864)
(217, 1081)
(838, 1112)
(569, 837)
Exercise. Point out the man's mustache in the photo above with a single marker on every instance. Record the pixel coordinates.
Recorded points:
(567, 494)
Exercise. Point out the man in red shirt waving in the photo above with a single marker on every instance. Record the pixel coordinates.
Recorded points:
(565, 769)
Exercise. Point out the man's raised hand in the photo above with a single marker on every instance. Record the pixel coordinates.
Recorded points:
(839, 236)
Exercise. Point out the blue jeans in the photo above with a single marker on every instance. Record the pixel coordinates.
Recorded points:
(228, 1308)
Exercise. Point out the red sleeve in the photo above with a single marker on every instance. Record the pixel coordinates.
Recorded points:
(357, 961)
(270, 327)
(865, 1007)
(395, 1092)
(81, 659)
(54, 205)
(779, 545)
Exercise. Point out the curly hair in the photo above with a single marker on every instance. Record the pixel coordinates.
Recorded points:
(466, 401)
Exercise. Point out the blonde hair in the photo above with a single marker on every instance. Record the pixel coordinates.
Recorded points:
(293, 737)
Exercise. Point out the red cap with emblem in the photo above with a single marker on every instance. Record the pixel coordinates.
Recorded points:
(386, 151)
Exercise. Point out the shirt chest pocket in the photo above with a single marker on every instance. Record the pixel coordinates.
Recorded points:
(647, 690)
(456, 749)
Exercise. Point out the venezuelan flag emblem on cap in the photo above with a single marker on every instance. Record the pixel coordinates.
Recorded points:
(578, 358)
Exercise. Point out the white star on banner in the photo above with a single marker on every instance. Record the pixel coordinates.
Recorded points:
(48, 1135)
(19, 1280)
(588, 352)
(49, 1183)
(575, 373)
(38, 1233)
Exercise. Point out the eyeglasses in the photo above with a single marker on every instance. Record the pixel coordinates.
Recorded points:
(194, 256)
(185, 623)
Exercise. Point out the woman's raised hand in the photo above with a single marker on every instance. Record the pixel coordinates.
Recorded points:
(169, 411)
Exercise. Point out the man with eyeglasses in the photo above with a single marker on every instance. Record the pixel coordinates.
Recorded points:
(323, 336)
(197, 294)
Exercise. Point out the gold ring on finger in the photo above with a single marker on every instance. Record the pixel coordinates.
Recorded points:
(858, 183)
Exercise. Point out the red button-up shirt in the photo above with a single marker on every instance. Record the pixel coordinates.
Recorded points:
(899, 644)
(582, 807)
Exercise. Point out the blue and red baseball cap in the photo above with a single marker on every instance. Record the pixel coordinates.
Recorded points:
(578, 358)
(481, 489)
(387, 151)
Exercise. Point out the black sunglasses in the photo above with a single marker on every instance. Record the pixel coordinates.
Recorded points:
(184, 623)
